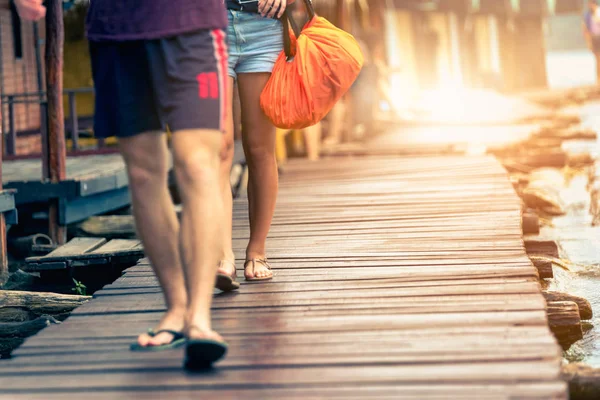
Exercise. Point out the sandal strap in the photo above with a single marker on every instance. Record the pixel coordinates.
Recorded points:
(262, 261)
(176, 335)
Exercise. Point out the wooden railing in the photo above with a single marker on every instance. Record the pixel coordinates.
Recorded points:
(10, 138)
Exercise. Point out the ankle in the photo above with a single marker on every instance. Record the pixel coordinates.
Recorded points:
(252, 255)
(197, 322)
(228, 256)
(177, 311)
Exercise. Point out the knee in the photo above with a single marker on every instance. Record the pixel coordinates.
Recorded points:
(259, 152)
(196, 168)
(144, 171)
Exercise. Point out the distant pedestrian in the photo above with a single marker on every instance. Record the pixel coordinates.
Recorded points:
(591, 31)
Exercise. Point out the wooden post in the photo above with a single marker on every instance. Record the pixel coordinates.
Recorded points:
(565, 322)
(342, 21)
(342, 14)
(522, 43)
(530, 223)
(585, 308)
(57, 157)
(11, 143)
(468, 49)
(74, 121)
(544, 268)
(376, 16)
(3, 251)
(530, 50)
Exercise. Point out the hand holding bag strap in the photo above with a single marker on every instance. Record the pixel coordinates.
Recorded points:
(287, 21)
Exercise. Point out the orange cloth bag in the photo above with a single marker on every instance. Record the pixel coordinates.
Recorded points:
(311, 74)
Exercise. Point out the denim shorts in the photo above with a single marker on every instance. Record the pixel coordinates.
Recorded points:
(254, 42)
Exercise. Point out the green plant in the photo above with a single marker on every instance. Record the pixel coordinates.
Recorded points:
(79, 288)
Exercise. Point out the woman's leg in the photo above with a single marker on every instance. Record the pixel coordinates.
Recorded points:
(258, 134)
(225, 185)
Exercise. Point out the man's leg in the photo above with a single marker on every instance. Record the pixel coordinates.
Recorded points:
(196, 159)
(146, 157)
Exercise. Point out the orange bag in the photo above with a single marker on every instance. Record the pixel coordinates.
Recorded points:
(311, 74)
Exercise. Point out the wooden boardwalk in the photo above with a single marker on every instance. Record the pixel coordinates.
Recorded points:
(395, 278)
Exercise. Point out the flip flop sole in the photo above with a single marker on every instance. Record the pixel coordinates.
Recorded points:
(202, 353)
(226, 283)
(169, 346)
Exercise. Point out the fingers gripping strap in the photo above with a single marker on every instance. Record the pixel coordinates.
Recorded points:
(286, 20)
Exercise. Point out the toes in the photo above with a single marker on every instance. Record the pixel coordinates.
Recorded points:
(264, 273)
(159, 340)
(144, 339)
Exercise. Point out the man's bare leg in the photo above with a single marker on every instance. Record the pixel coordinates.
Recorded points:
(146, 157)
(196, 159)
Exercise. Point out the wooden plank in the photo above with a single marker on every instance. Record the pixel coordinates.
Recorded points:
(48, 350)
(75, 247)
(79, 168)
(467, 391)
(115, 251)
(330, 355)
(383, 374)
(116, 246)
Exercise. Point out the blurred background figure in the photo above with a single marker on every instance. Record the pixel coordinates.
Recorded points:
(591, 31)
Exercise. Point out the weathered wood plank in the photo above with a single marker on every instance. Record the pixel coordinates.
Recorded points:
(477, 372)
(467, 391)
(75, 247)
(116, 246)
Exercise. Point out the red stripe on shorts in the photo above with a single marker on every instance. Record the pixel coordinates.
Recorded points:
(220, 48)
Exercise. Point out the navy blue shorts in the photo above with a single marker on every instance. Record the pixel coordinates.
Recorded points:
(147, 85)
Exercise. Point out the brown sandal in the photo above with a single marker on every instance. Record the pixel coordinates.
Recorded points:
(260, 261)
(225, 282)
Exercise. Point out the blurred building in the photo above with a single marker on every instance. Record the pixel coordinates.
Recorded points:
(499, 44)
(19, 71)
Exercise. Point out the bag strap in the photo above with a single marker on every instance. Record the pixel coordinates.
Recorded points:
(287, 21)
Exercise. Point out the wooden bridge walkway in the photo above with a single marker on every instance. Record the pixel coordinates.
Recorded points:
(396, 278)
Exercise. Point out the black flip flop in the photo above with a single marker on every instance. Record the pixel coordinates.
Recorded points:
(203, 353)
(178, 341)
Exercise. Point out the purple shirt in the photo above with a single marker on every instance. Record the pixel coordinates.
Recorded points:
(119, 20)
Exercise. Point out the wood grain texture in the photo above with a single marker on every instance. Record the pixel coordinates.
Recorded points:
(395, 278)
(77, 168)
